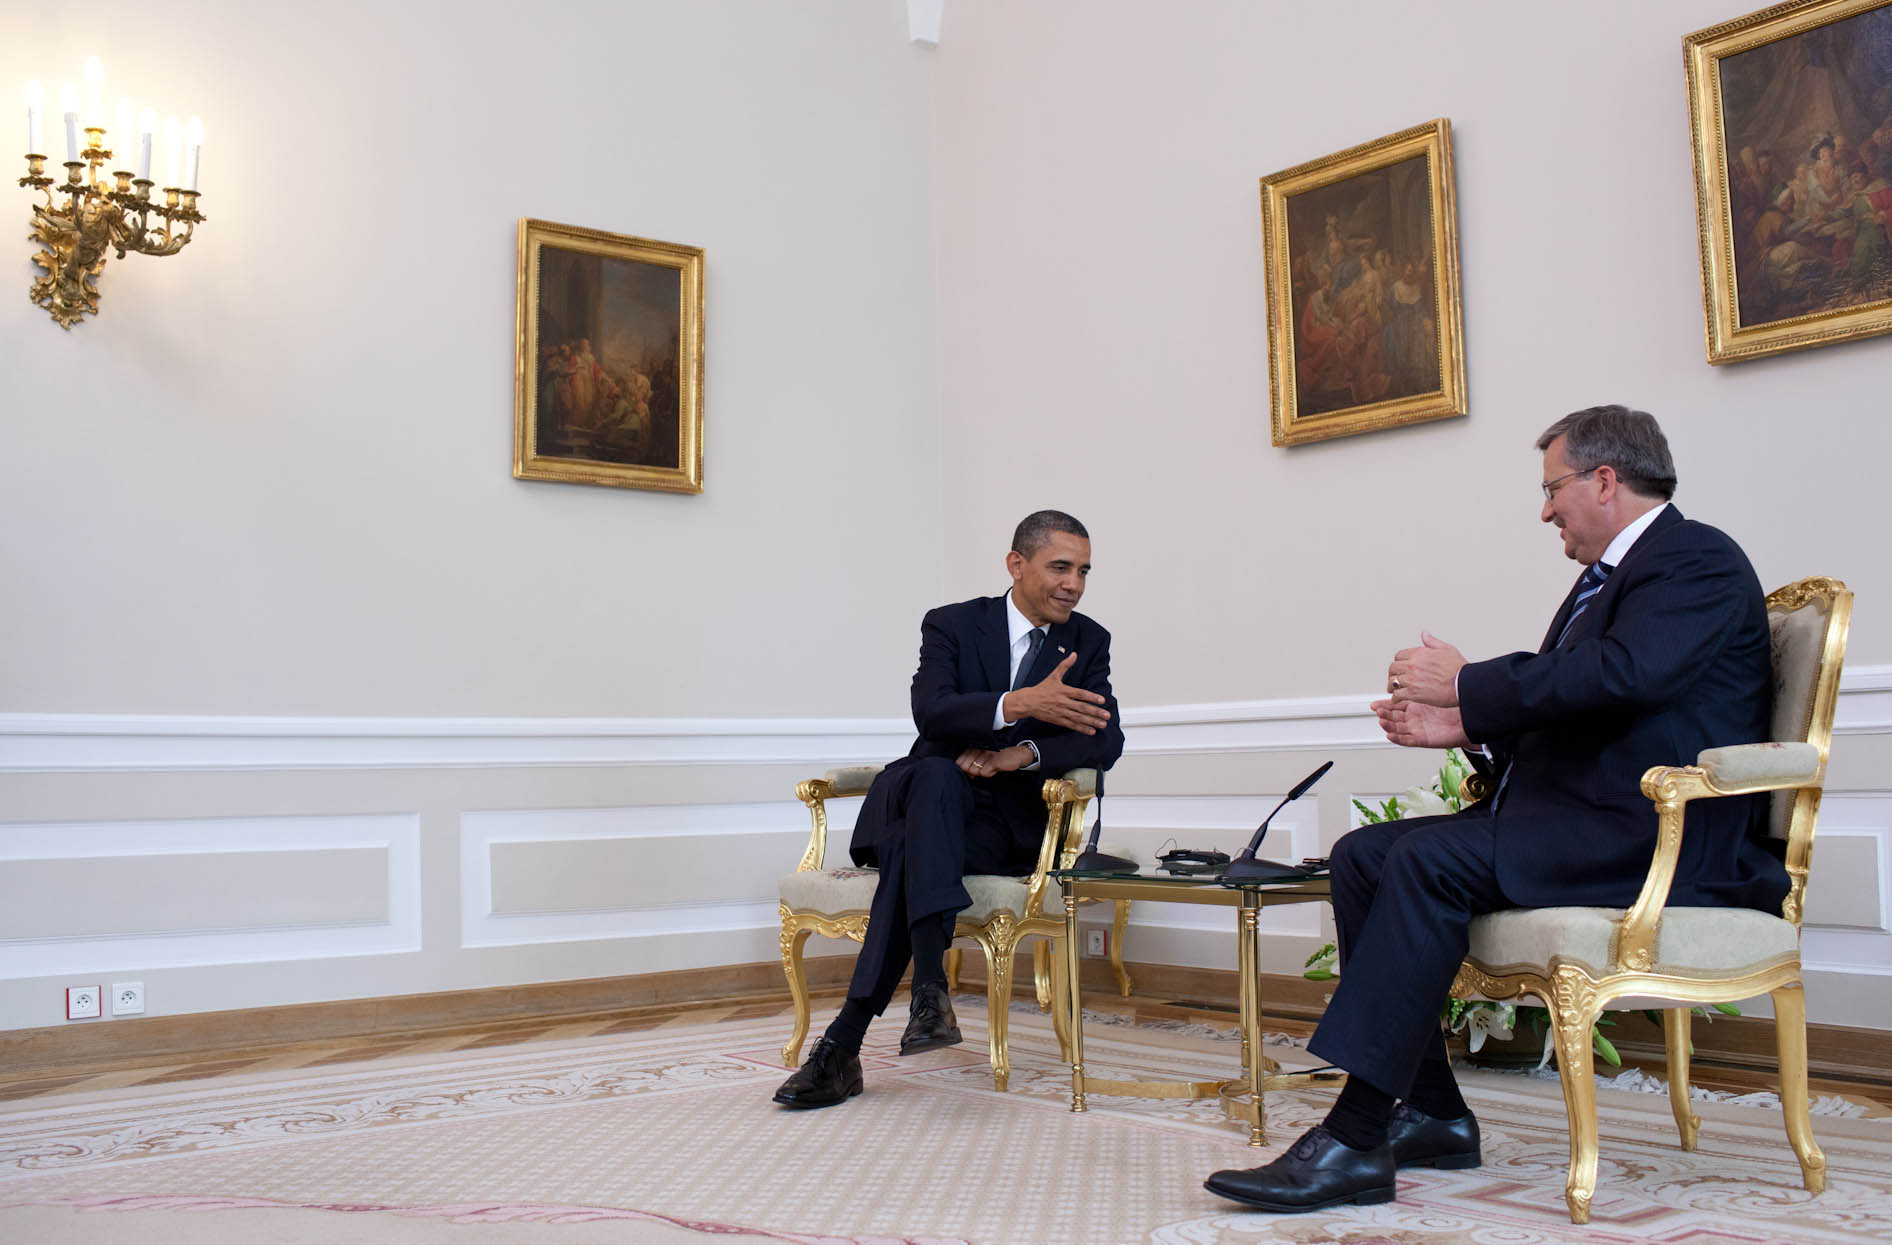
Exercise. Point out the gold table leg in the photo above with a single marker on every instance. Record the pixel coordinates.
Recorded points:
(1248, 962)
(1072, 963)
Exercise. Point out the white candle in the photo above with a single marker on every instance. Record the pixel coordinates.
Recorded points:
(173, 150)
(147, 126)
(196, 140)
(94, 79)
(120, 140)
(35, 105)
(69, 104)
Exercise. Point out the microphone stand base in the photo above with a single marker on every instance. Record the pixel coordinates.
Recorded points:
(1095, 861)
(1249, 869)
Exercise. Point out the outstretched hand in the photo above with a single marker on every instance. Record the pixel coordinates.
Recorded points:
(1057, 702)
(1427, 675)
(1414, 725)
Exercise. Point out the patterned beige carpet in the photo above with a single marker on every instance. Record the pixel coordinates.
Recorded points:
(668, 1135)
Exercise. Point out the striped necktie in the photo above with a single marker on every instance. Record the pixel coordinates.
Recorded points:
(1588, 585)
(1034, 640)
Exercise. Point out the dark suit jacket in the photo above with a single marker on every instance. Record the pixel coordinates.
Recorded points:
(965, 662)
(1670, 657)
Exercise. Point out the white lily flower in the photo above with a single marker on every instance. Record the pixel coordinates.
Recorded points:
(1484, 1020)
(1421, 802)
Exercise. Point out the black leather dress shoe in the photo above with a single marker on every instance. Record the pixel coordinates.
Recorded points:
(1317, 1171)
(1419, 1140)
(930, 1021)
(830, 1075)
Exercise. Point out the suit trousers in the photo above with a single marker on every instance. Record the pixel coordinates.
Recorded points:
(942, 827)
(1404, 895)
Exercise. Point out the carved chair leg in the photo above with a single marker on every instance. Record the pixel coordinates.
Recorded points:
(952, 970)
(1675, 1026)
(1117, 929)
(1041, 972)
(1573, 1014)
(1790, 1034)
(793, 940)
(999, 953)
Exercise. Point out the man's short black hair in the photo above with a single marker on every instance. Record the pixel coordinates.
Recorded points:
(1615, 436)
(1035, 530)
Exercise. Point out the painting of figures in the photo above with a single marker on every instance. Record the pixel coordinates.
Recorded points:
(609, 368)
(1363, 289)
(1793, 142)
(1362, 281)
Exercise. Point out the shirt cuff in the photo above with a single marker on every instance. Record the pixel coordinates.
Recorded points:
(999, 721)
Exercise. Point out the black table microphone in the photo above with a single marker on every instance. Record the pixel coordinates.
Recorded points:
(1090, 860)
(1245, 868)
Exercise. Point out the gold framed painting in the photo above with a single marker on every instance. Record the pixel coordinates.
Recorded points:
(1360, 254)
(608, 369)
(1790, 110)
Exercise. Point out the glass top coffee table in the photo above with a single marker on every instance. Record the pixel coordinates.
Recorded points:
(1242, 1096)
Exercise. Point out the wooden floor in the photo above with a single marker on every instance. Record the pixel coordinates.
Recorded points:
(1877, 1098)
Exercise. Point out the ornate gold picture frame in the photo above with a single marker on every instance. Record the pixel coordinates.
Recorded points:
(1790, 110)
(608, 371)
(1360, 256)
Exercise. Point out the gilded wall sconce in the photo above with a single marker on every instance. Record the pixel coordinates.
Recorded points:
(104, 211)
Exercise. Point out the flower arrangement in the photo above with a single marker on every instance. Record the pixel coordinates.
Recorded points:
(1478, 1019)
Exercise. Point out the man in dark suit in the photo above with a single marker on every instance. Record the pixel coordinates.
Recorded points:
(1660, 650)
(1010, 690)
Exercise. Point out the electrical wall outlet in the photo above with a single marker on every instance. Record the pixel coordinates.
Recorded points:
(1097, 942)
(82, 1002)
(128, 998)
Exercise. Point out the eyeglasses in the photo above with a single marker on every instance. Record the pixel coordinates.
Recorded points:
(1550, 487)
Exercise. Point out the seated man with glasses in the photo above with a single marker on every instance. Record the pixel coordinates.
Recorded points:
(1660, 650)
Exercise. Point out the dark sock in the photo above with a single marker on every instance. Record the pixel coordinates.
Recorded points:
(1360, 1115)
(848, 1028)
(931, 936)
(1435, 1091)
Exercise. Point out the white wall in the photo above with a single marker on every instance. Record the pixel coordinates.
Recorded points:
(1101, 312)
(274, 598)
(273, 476)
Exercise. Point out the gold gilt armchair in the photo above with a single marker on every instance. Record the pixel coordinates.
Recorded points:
(1579, 961)
(1004, 912)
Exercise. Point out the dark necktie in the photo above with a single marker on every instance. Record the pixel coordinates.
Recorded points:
(1588, 585)
(1034, 640)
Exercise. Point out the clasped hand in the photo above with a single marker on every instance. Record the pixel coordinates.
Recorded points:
(1058, 703)
(1422, 711)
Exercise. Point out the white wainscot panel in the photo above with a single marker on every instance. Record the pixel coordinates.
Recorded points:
(398, 834)
(480, 926)
(1145, 823)
(1852, 816)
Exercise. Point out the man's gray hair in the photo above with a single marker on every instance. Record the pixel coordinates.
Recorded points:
(1035, 530)
(1615, 436)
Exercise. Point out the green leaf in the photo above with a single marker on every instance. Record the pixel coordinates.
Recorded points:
(1321, 974)
(1326, 950)
(1727, 1009)
(1604, 1049)
(1367, 816)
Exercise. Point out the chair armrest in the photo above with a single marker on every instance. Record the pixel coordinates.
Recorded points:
(1085, 781)
(815, 793)
(1066, 798)
(850, 779)
(1760, 767)
(1740, 769)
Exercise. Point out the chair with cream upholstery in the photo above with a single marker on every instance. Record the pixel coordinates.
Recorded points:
(1004, 912)
(1579, 961)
